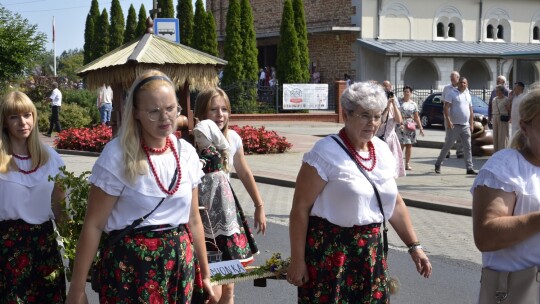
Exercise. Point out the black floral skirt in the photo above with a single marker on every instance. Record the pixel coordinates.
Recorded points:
(31, 269)
(156, 266)
(345, 264)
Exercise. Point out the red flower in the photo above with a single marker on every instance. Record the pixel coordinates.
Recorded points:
(349, 280)
(9, 243)
(362, 242)
(187, 290)
(339, 259)
(324, 299)
(170, 265)
(311, 241)
(151, 273)
(240, 240)
(151, 286)
(189, 254)
(155, 298)
(151, 244)
(23, 261)
(377, 295)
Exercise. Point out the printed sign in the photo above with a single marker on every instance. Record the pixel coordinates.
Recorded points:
(302, 96)
(167, 28)
(226, 267)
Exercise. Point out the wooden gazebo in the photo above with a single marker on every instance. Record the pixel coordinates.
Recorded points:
(188, 68)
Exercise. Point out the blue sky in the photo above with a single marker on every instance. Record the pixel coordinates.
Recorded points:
(69, 15)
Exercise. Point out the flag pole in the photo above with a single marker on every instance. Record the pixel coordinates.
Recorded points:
(54, 45)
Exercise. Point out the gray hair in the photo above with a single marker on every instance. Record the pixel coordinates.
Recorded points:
(368, 95)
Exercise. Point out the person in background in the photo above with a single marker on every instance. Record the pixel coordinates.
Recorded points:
(213, 104)
(30, 260)
(391, 117)
(337, 251)
(406, 131)
(500, 109)
(447, 94)
(501, 80)
(516, 97)
(104, 103)
(56, 103)
(347, 79)
(155, 262)
(388, 89)
(506, 198)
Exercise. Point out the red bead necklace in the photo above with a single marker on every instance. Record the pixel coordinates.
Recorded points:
(17, 156)
(358, 158)
(169, 144)
(29, 171)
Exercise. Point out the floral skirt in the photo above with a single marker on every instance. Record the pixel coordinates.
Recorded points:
(150, 266)
(345, 264)
(31, 269)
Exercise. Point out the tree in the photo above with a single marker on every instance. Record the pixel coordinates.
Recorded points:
(301, 32)
(141, 24)
(288, 55)
(131, 25)
(102, 39)
(199, 40)
(211, 35)
(234, 70)
(184, 13)
(167, 9)
(68, 62)
(21, 44)
(250, 51)
(117, 25)
(90, 38)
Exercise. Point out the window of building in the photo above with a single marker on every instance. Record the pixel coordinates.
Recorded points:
(451, 30)
(535, 33)
(440, 29)
(490, 31)
(500, 32)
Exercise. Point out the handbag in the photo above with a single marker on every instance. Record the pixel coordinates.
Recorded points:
(512, 287)
(410, 125)
(113, 238)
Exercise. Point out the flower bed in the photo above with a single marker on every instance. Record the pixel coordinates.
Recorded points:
(84, 139)
(260, 140)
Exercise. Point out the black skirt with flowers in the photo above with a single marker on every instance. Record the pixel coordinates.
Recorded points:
(345, 264)
(156, 266)
(31, 269)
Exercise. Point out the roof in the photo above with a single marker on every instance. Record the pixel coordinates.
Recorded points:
(181, 63)
(446, 48)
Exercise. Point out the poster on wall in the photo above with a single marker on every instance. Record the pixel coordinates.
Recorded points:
(305, 96)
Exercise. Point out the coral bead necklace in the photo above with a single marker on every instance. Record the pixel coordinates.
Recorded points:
(357, 157)
(21, 157)
(17, 156)
(168, 144)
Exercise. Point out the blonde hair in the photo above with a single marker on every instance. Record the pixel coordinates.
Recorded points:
(528, 110)
(15, 103)
(129, 133)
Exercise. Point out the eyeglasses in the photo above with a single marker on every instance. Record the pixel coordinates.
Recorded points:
(156, 113)
(366, 117)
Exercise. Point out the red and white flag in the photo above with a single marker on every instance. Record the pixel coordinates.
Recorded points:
(53, 31)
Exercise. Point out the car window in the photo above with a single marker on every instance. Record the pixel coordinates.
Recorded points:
(478, 102)
(437, 99)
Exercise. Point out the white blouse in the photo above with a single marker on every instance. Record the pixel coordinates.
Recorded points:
(28, 196)
(509, 171)
(236, 143)
(348, 198)
(137, 199)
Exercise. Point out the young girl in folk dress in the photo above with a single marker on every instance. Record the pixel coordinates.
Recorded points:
(29, 254)
(213, 104)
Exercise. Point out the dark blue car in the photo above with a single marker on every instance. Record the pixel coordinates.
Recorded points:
(432, 110)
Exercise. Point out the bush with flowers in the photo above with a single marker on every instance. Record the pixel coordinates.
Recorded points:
(260, 140)
(84, 139)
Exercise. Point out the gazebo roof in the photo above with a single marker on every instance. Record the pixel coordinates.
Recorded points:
(179, 62)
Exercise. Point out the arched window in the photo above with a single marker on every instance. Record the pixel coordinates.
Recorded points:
(440, 29)
(500, 32)
(490, 31)
(451, 30)
(535, 33)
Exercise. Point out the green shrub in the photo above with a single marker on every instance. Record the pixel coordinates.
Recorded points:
(85, 99)
(71, 116)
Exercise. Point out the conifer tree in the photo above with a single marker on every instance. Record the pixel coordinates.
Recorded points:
(90, 38)
(141, 23)
(103, 28)
(199, 23)
(167, 9)
(184, 13)
(131, 25)
(117, 25)
(250, 51)
(301, 33)
(233, 71)
(211, 35)
(288, 55)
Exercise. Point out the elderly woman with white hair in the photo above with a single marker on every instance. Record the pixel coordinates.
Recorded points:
(345, 191)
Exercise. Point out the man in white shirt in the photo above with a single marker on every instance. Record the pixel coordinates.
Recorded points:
(516, 98)
(56, 103)
(447, 97)
(104, 103)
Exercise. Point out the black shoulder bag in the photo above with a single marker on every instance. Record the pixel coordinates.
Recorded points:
(385, 230)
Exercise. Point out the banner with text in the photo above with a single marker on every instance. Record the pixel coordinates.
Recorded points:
(305, 96)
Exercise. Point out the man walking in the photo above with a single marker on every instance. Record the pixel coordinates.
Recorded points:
(459, 121)
(447, 97)
(515, 100)
(105, 98)
(56, 103)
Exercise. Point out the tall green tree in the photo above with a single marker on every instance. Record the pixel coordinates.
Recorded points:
(167, 9)
(233, 72)
(131, 25)
(301, 32)
(184, 13)
(288, 55)
(103, 28)
(199, 24)
(20, 44)
(90, 37)
(250, 51)
(141, 23)
(211, 35)
(117, 25)
(68, 62)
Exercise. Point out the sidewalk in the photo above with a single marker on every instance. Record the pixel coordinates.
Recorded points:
(447, 192)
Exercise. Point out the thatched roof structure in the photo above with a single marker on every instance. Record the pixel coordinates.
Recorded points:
(181, 63)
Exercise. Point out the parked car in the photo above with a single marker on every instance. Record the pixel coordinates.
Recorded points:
(432, 110)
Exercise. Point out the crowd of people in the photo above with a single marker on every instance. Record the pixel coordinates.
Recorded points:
(154, 195)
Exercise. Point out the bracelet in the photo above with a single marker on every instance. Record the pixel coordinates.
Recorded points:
(259, 205)
(413, 244)
(414, 248)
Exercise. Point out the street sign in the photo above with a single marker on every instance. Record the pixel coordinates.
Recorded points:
(167, 28)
